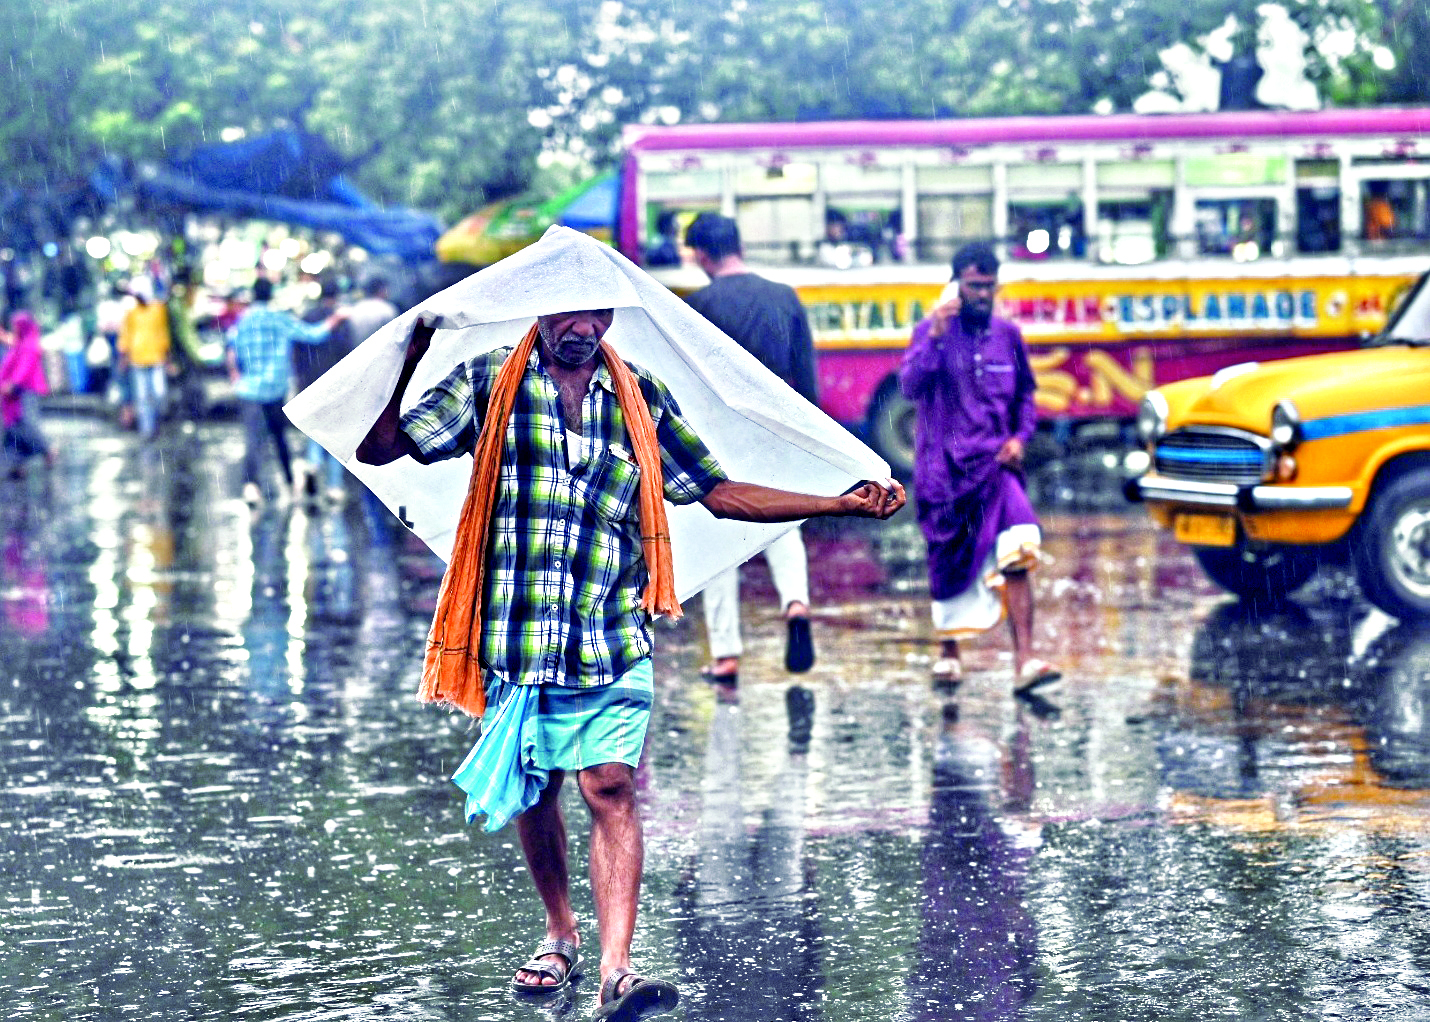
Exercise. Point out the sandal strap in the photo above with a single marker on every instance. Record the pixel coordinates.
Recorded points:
(558, 946)
(613, 981)
(541, 968)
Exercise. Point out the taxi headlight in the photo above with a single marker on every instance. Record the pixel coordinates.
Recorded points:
(1152, 417)
(1285, 425)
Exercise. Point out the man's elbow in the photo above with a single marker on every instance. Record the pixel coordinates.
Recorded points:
(715, 501)
(375, 451)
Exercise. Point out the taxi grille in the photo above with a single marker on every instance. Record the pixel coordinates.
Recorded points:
(1213, 456)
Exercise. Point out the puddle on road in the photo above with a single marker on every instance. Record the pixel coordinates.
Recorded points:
(221, 799)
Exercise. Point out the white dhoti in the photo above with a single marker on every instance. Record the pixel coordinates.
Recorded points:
(980, 607)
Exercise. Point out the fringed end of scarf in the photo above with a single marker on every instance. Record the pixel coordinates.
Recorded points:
(453, 679)
(659, 598)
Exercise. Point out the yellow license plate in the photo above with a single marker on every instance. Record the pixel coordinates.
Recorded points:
(1206, 530)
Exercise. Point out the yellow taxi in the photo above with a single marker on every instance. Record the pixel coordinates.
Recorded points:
(1268, 470)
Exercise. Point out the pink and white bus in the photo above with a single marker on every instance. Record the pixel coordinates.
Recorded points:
(1138, 249)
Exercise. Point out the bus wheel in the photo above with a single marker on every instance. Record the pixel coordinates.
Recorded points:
(1392, 547)
(891, 430)
(1265, 576)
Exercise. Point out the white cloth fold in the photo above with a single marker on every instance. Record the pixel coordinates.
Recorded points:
(753, 422)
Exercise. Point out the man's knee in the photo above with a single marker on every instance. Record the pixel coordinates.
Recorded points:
(608, 786)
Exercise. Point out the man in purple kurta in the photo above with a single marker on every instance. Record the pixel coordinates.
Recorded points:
(968, 375)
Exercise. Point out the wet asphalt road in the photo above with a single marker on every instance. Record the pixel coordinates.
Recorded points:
(221, 801)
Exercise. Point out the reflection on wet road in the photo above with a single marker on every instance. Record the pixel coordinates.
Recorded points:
(221, 800)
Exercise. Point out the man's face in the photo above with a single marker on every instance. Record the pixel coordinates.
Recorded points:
(976, 289)
(570, 339)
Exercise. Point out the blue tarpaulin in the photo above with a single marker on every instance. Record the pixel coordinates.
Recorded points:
(293, 178)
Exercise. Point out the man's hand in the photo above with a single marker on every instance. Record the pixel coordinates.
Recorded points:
(1011, 453)
(385, 441)
(874, 499)
(944, 314)
(420, 340)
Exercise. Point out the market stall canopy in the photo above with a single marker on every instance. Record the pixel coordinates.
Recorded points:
(753, 422)
(290, 177)
(503, 228)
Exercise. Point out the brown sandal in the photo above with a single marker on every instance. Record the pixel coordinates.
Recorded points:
(643, 998)
(566, 949)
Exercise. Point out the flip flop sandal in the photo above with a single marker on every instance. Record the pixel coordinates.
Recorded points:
(566, 950)
(707, 673)
(799, 647)
(644, 998)
(1036, 673)
(947, 672)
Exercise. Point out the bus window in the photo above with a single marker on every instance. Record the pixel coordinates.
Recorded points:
(861, 193)
(1395, 211)
(948, 221)
(1132, 231)
(955, 206)
(1045, 218)
(777, 231)
(1134, 209)
(1046, 230)
(1244, 229)
(1318, 219)
(775, 209)
(859, 237)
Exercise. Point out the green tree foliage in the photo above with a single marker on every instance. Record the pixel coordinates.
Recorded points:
(443, 104)
(1405, 27)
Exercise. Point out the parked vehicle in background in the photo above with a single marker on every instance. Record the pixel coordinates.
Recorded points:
(1268, 471)
(1140, 250)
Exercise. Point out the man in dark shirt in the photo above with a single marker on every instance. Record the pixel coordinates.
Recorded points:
(767, 320)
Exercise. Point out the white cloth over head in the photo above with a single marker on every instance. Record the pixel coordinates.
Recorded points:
(753, 422)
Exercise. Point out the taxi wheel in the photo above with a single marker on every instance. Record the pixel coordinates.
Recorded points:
(1392, 547)
(1261, 576)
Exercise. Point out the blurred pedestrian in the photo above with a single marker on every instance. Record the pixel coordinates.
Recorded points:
(321, 473)
(767, 320)
(373, 311)
(366, 317)
(22, 384)
(968, 375)
(144, 342)
(260, 359)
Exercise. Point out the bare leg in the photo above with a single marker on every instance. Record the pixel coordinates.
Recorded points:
(1019, 594)
(617, 858)
(543, 838)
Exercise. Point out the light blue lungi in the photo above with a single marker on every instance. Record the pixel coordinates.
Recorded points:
(530, 730)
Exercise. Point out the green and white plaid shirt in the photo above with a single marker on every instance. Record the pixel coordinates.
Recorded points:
(565, 571)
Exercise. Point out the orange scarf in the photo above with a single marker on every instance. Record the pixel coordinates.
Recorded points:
(451, 673)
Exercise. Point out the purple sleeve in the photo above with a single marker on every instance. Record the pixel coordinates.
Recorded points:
(1025, 409)
(922, 365)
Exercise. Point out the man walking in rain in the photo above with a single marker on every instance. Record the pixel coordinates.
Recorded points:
(967, 373)
(767, 320)
(562, 556)
(260, 361)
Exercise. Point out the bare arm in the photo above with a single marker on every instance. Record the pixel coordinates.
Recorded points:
(385, 441)
(750, 502)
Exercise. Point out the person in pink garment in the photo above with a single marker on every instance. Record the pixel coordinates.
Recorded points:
(22, 384)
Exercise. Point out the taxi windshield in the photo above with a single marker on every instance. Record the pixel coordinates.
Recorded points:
(1410, 322)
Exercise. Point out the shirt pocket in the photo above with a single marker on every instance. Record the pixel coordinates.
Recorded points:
(999, 379)
(614, 490)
